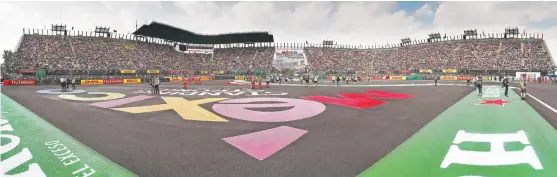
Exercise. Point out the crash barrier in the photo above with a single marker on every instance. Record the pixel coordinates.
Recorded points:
(396, 78)
(19, 82)
(449, 78)
(415, 78)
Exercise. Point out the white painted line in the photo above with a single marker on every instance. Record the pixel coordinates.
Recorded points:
(541, 102)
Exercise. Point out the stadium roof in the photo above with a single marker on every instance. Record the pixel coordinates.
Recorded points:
(167, 32)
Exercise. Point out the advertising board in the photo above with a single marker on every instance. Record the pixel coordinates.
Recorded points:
(132, 81)
(449, 78)
(376, 77)
(127, 71)
(397, 77)
(176, 79)
(91, 82)
(528, 74)
(113, 81)
(206, 78)
(153, 71)
(239, 77)
(20, 82)
(462, 78)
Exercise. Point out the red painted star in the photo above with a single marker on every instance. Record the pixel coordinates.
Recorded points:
(499, 102)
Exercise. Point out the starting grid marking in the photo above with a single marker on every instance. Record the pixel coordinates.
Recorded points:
(480, 142)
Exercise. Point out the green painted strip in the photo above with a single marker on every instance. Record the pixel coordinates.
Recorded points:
(493, 141)
(33, 147)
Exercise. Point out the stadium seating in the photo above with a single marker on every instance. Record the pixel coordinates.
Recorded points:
(83, 53)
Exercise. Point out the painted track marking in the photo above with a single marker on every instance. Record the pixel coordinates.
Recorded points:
(544, 104)
(539, 101)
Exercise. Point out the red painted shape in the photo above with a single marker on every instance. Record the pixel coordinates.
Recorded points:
(359, 100)
(499, 102)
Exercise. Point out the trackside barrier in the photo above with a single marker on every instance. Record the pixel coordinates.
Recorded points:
(132, 81)
(415, 78)
(206, 78)
(176, 79)
(113, 81)
(20, 82)
(449, 78)
(396, 78)
(462, 78)
(239, 77)
(92, 82)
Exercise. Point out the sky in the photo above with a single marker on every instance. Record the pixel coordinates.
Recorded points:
(351, 23)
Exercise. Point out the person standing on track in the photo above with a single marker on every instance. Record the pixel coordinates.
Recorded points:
(73, 84)
(63, 83)
(338, 81)
(479, 85)
(506, 85)
(157, 83)
(436, 77)
(475, 83)
(522, 89)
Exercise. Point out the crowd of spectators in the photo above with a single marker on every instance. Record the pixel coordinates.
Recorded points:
(97, 53)
(478, 54)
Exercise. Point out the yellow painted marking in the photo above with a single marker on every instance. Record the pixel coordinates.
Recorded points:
(109, 96)
(188, 110)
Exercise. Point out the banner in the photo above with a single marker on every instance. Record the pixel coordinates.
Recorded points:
(132, 81)
(259, 72)
(360, 72)
(176, 79)
(462, 78)
(404, 71)
(204, 72)
(528, 74)
(113, 81)
(449, 78)
(238, 72)
(397, 77)
(19, 82)
(239, 77)
(91, 82)
(127, 71)
(153, 71)
(40, 73)
(206, 78)
(426, 71)
(449, 70)
(171, 72)
(218, 72)
(376, 77)
(415, 78)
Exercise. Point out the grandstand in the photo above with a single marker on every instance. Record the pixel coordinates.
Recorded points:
(172, 50)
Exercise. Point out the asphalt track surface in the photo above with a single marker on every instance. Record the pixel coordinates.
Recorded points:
(340, 142)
